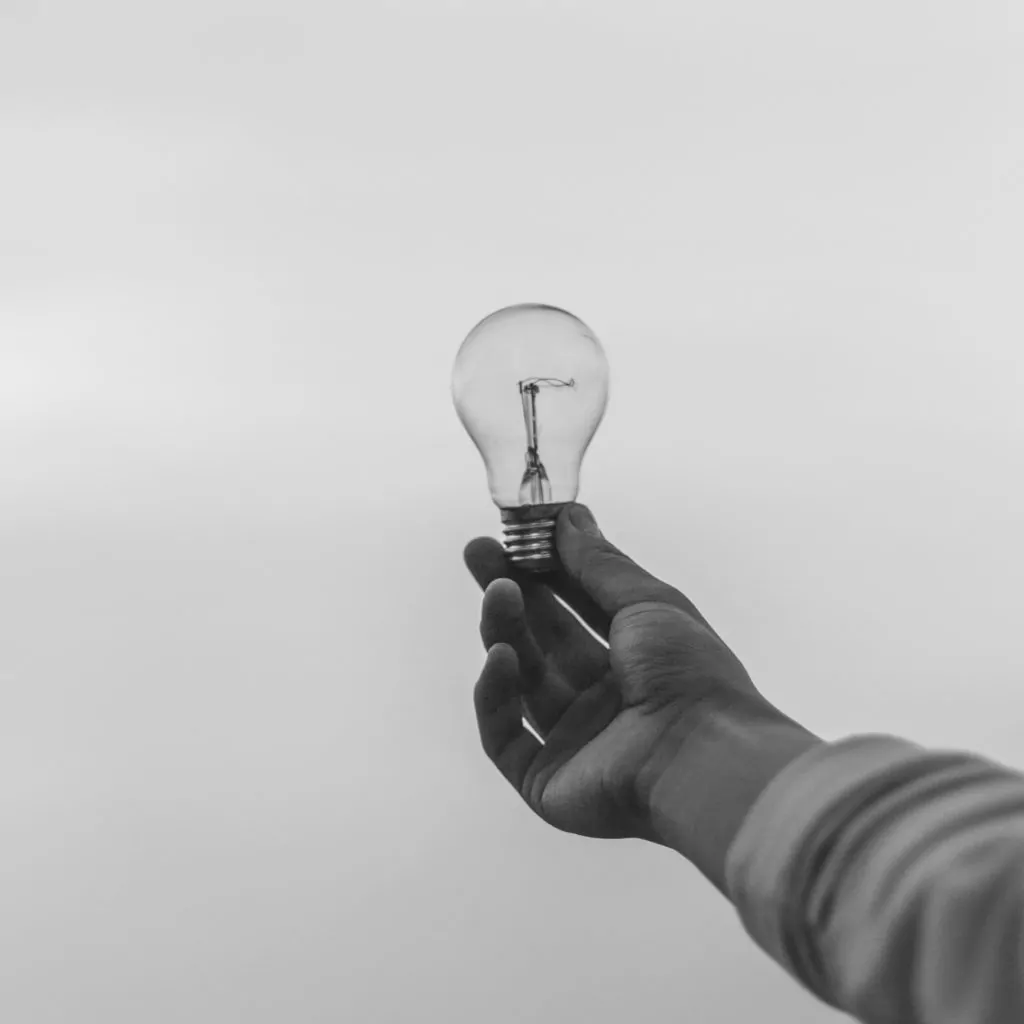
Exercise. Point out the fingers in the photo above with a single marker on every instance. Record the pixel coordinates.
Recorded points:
(499, 717)
(558, 797)
(611, 579)
(503, 620)
(574, 652)
(526, 763)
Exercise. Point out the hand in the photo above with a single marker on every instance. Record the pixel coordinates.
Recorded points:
(611, 720)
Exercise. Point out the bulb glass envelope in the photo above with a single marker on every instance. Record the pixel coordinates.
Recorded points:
(530, 384)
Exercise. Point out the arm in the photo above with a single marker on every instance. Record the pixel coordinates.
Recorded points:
(887, 879)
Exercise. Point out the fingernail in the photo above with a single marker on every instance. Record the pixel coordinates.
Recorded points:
(581, 518)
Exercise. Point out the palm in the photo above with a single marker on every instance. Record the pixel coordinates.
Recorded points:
(590, 786)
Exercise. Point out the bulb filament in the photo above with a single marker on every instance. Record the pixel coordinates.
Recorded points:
(536, 487)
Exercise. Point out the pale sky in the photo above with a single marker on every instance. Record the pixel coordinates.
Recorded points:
(240, 244)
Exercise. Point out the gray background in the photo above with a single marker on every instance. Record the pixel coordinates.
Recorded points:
(239, 247)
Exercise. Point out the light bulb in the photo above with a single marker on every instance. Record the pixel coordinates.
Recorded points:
(530, 384)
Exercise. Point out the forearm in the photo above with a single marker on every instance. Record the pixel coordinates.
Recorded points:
(712, 781)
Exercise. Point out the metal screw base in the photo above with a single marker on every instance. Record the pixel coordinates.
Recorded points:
(530, 536)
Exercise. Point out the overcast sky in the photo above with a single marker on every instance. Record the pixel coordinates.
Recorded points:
(240, 245)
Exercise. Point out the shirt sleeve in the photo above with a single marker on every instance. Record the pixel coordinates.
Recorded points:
(889, 880)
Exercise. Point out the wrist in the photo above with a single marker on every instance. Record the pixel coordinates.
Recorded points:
(714, 772)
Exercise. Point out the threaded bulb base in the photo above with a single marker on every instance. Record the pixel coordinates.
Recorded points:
(530, 536)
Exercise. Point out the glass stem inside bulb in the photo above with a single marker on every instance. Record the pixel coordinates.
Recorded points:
(535, 488)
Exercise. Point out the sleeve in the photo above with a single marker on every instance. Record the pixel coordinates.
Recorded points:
(889, 880)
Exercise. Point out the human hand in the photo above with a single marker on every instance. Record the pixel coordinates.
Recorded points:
(612, 719)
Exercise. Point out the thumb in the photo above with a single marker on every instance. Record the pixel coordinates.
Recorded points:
(606, 575)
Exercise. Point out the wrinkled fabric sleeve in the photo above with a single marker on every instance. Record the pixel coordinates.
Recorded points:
(889, 880)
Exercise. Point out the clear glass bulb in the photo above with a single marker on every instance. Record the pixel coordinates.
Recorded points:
(530, 384)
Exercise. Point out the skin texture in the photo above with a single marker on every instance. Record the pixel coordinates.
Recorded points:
(616, 721)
